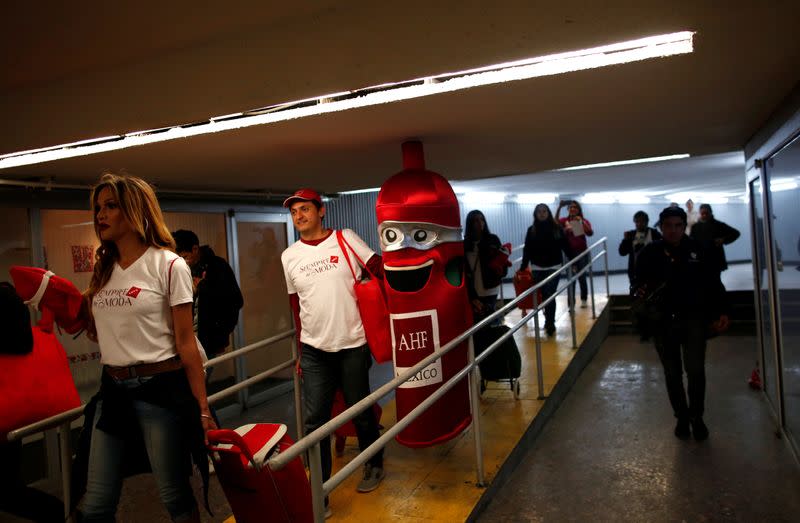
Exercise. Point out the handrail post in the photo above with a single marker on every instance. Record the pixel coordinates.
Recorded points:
(538, 342)
(475, 405)
(317, 492)
(298, 397)
(591, 288)
(605, 260)
(65, 448)
(571, 299)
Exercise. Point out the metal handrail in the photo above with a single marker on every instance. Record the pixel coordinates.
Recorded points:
(310, 443)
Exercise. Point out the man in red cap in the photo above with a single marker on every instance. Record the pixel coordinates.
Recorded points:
(334, 348)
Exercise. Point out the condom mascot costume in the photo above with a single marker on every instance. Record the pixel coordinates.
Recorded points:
(423, 255)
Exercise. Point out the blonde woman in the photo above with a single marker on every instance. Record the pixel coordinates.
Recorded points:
(152, 390)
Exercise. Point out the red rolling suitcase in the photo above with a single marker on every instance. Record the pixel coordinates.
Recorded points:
(254, 491)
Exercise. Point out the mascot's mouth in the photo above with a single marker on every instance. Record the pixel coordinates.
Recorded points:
(408, 278)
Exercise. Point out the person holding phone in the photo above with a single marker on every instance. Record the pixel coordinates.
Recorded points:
(576, 228)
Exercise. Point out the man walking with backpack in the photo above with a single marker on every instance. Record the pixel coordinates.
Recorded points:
(217, 297)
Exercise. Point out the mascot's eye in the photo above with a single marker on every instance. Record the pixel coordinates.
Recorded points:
(420, 235)
(390, 235)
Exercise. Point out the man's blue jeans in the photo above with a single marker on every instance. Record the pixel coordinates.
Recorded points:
(323, 373)
(162, 439)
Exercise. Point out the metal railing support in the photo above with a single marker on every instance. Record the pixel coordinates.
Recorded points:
(317, 492)
(605, 261)
(571, 301)
(65, 449)
(475, 406)
(538, 342)
(591, 287)
(298, 397)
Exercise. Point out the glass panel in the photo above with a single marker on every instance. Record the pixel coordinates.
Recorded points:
(69, 245)
(785, 204)
(15, 242)
(768, 356)
(266, 305)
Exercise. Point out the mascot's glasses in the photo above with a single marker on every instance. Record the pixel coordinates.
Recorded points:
(415, 235)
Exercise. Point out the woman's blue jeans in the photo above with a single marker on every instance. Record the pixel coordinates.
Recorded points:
(162, 440)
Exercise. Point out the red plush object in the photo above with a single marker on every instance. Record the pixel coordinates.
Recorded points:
(36, 385)
(499, 263)
(59, 295)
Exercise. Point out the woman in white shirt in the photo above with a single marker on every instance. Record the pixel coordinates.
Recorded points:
(152, 392)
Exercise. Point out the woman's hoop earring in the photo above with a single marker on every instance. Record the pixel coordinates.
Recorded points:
(146, 225)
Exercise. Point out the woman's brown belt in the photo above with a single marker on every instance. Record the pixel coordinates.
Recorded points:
(144, 369)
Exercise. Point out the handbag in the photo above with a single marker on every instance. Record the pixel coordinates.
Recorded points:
(371, 306)
(36, 385)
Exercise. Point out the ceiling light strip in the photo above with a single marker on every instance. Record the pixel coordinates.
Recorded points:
(624, 52)
(626, 162)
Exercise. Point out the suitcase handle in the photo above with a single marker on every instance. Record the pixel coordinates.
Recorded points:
(230, 437)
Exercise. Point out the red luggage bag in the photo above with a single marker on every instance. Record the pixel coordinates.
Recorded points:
(523, 280)
(255, 492)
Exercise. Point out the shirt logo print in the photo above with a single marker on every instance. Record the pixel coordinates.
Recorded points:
(133, 292)
(334, 259)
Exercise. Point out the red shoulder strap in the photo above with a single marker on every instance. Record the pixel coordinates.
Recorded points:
(342, 243)
(169, 277)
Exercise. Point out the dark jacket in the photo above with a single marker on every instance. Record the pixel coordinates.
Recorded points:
(544, 245)
(627, 248)
(680, 280)
(488, 247)
(708, 231)
(218, 301)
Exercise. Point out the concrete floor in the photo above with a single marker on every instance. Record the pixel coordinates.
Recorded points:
(608, 454)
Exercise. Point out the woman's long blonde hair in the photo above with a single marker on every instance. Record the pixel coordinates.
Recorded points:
(139, 206)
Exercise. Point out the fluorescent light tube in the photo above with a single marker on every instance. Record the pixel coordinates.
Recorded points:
(626, 162)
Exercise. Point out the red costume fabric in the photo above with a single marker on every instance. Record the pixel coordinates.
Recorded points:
(36, 385)
(39, 384)
(60, 296)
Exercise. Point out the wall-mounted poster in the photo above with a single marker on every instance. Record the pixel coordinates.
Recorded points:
(82, 258)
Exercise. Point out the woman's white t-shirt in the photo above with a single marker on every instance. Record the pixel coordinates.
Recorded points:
(329, 316)
(132, 312)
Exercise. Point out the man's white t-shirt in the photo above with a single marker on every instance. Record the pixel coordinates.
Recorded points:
(132, 311)
(319, 275)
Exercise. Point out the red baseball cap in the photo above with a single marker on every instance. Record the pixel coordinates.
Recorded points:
(303, 195)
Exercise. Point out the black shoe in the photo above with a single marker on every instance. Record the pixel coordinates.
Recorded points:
(699, 429)
(682, 429)
(550, 328)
